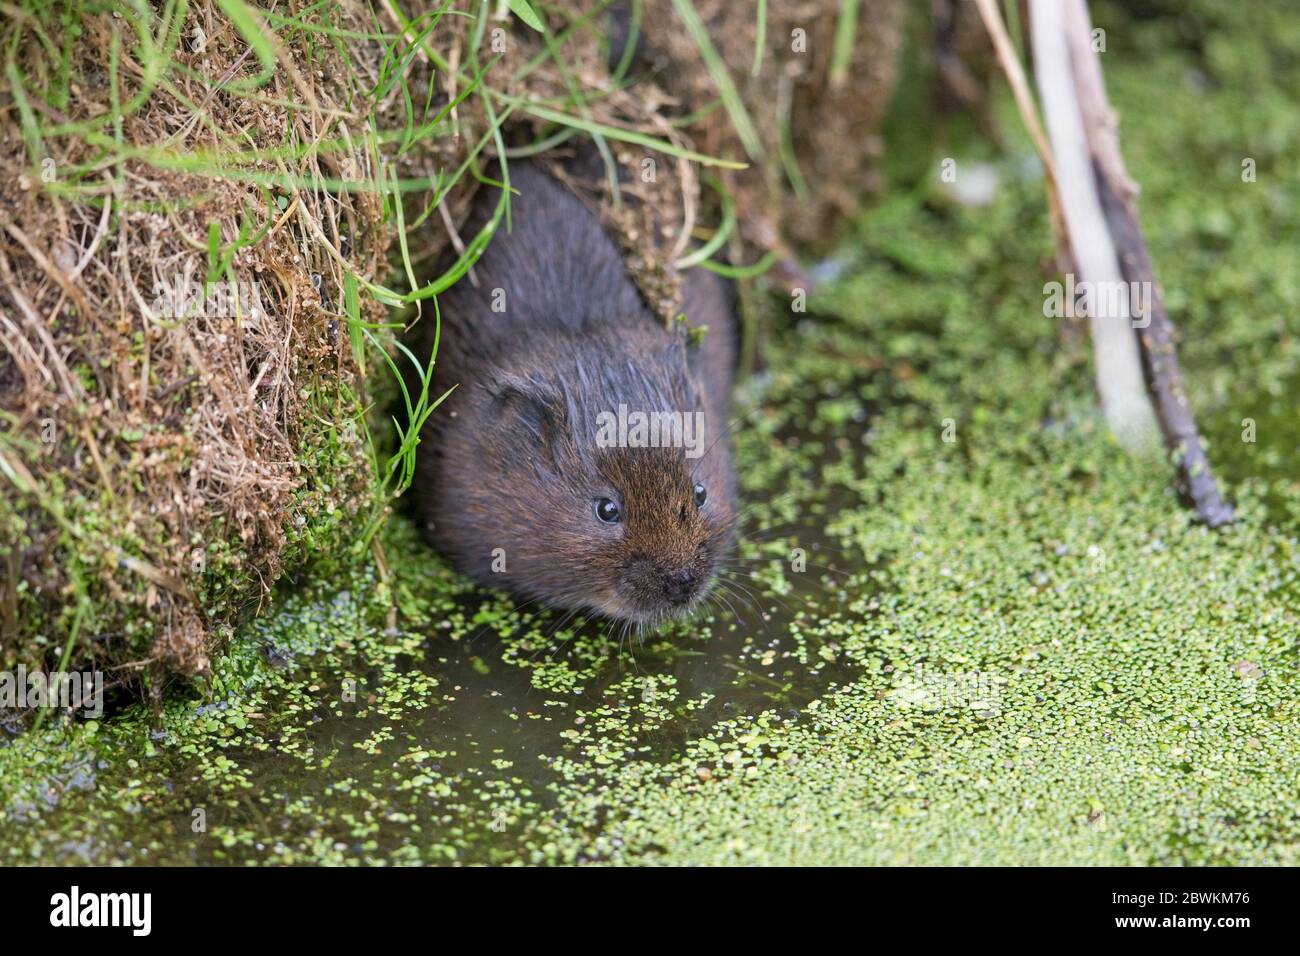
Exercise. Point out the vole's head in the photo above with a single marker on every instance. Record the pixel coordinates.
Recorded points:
(605, 485)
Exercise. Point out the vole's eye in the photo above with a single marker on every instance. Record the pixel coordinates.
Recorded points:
(701, 496)
(607, 511)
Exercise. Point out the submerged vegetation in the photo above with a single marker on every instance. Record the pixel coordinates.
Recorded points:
(963, 627)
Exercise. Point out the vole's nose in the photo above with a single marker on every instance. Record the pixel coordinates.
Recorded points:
(680, 586)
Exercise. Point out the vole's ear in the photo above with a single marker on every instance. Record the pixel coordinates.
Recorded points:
(529, 406)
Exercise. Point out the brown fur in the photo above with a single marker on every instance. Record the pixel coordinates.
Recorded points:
(510, 461)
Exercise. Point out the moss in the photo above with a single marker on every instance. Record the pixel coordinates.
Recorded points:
(1013, 646)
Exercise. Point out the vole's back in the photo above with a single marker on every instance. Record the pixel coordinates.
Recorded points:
(554, 272)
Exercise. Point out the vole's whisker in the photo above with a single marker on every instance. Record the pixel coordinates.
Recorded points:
(733, 581)
(757, 601)
(554, 630)
(731, 425)
(730, 609)
(730, 588)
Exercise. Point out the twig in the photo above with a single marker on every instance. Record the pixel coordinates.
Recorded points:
(51, 270)
(1157, 340)
(1028, 110)
(100, 232)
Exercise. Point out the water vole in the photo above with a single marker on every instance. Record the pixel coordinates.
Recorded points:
(540, 473)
